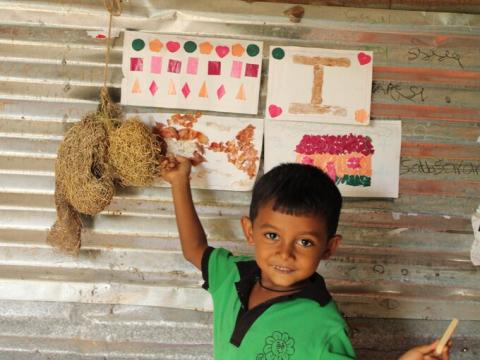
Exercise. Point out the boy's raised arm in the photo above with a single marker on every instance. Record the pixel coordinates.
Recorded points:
(192, 235)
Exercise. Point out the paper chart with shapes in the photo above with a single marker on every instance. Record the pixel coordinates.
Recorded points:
(231, 147)
(364, 161)
(319, 85)
(191, 72)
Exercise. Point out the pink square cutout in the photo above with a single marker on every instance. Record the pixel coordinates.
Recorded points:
(236, 69)
(192, 65)
(214, 67)
(136, 64)
(251, 70)
(156, 64)
(174, 66)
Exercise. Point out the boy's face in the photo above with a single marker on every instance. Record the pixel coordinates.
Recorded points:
(288, 248)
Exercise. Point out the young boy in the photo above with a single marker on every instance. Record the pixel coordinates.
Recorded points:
(275, 306)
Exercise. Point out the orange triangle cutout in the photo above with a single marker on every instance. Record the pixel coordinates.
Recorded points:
(171, 88)
(241, 93)
(203, 91)
(136, 87)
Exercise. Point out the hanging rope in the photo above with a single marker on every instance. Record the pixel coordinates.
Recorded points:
(114, 7)
(107, 110)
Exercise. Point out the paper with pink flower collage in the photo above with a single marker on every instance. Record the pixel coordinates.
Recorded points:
(362, 160)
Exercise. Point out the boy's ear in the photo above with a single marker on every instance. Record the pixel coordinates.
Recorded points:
(247, 228)
(332, 246)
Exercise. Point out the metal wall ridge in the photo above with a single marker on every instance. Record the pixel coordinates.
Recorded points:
(129, 294)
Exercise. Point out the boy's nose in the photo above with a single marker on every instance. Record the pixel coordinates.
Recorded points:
(286, 250)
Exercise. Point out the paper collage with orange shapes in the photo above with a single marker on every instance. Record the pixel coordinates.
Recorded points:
(364, 161)
(319, 85)
(196, 73)
(228, 148)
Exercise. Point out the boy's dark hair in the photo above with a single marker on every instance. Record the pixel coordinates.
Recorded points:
(298, 189)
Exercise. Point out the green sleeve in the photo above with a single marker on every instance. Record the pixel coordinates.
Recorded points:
(338, 347)
(216, 264)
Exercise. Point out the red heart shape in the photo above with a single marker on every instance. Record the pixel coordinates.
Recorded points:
(363, 58)
(222, 50)
(275, 111)
(173, 46)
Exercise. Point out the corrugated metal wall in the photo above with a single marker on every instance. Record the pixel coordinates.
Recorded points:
(402, 271)
(458, 6)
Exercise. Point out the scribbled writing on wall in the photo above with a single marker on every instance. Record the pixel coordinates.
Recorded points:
(431, 55)
(439, 167)
(354, 16)
(397, 91)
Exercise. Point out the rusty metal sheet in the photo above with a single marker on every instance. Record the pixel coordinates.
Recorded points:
(403, 268)
(462, 6)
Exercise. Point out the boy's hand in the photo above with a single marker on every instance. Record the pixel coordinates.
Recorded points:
(181, 172)
(427, 352)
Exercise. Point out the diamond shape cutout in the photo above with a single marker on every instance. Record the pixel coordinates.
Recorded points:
(153, 87)
(185, 90)
(220, 92)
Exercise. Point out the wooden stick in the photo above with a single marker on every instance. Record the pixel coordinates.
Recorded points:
(446, 336)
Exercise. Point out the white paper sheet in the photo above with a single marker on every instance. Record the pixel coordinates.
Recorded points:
(191, 72)
(319, 85)
(231, 146)
(475, 250)
(364, 160)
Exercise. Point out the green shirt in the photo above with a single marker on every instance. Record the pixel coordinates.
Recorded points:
(302, 326)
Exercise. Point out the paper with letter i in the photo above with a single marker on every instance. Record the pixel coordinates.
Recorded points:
(319, 85)
(196, 73)
(363, 161)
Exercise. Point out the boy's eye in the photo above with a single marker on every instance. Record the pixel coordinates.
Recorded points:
(306, 242)
(271, 236)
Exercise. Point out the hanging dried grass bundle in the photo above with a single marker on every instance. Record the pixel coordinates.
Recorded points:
(65, 233)
(83, 177)
(135, 153)
(94, 152)
(82, 166)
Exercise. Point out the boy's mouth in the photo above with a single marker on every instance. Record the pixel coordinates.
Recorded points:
(283, 269)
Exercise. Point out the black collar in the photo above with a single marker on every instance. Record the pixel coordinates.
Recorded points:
(249, 274)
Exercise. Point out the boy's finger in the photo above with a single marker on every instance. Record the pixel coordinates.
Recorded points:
(446, 351)
(427, 349)
(181, 158)
(197, 158)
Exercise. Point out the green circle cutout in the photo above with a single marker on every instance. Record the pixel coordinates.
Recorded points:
(138, 44)
(190, 46)
(278, 53)
(253, 50)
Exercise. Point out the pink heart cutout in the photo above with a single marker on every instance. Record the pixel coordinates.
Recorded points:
(173, 46)
(275, 111)
(222, 50)
(363, 58)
